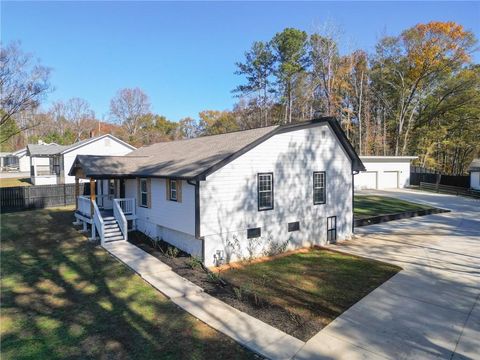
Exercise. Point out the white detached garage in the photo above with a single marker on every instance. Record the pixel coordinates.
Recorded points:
(384, 172)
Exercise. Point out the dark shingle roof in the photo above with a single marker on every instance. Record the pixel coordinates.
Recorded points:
(195, 158)
(181, 158)
(45, 149)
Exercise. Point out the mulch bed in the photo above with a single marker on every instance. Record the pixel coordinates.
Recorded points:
(184, 265)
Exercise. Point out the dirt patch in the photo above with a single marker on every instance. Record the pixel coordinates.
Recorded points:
(190, 268)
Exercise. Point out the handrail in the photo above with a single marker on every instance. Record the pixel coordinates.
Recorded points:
(98, 222)
(127, 205)
(120, 217)
(84, 205)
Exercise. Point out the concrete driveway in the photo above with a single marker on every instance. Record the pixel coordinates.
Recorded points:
(429, 310)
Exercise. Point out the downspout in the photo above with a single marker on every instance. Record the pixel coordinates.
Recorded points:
(354, 172)
(196, 184)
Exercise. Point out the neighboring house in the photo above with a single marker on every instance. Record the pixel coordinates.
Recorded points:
(50, 163)
(474, 171)
(230, 196)
(15, 161)
(384, 172)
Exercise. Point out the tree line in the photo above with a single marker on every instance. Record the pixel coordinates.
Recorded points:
(418, 93)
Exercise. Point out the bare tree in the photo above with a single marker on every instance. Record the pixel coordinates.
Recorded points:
(128, 107)
(23, 84)
(77, 112)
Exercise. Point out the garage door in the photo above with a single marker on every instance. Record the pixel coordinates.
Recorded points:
(389, 180)
(366, 180)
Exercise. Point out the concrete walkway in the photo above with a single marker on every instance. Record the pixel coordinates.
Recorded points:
(431, 309)
(245, 329)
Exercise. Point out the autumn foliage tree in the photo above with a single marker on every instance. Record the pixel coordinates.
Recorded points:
(416, 94)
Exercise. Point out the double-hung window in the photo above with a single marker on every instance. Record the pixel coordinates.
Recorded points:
(143, 193)
(173, 190)
(319, 188)
(265, 191)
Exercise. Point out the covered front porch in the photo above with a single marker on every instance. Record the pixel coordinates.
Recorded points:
(105, 209)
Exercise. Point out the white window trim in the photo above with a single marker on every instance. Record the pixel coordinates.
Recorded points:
(323, 188)
(263, 208)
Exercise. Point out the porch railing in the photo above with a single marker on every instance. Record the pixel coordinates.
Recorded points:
(120, 217)
(127, 205)
(84, 205)
(98, 223)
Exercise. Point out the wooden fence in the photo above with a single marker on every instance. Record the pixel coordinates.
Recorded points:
(37, 197)
(449, 180)
(449, 189)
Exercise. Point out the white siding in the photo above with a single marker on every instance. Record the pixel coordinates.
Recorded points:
(228, 197)
(102, 146)
(41, 179)
(24, 163)
(384, 169)
(173, 221)
(475, 180)
(366, 180)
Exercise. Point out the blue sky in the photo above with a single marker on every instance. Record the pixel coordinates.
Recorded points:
(183, 54)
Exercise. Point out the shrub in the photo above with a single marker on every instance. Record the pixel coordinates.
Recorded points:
(213, 277)
(238, 292)
(172, 252)
(194, 263)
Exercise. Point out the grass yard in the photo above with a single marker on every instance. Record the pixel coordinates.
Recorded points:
(372, 205)
(314, 287)
(12, 182)
(62, 297)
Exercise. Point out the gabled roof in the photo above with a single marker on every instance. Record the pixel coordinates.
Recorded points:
(196, 158)
(55, 149)
(20, 153)
(44, 149)
(474, 165)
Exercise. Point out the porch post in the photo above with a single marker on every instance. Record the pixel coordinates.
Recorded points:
(92, 195)
(77, 192)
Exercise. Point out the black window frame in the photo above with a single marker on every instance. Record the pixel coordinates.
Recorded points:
(143, 192)
(254, 233)
(324, 187)
(294, 226)
(331, 229)
(258, 192)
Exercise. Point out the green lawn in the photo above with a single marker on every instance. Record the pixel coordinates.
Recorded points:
(62, 297)
(371, 205)
(12, 182)
(315, 286)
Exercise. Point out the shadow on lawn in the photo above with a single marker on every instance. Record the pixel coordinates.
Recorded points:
(62, 297)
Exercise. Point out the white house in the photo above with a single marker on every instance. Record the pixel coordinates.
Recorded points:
(230, 196)
(50, 163)
(384, 172)
(474, 171)
(15, 161)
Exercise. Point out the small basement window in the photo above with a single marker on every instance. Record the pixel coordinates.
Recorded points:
(254, 233)
(293, 226)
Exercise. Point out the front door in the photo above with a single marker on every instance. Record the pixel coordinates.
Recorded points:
(100, 198)
(122, 188)
(108, 193)
(332, 229)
